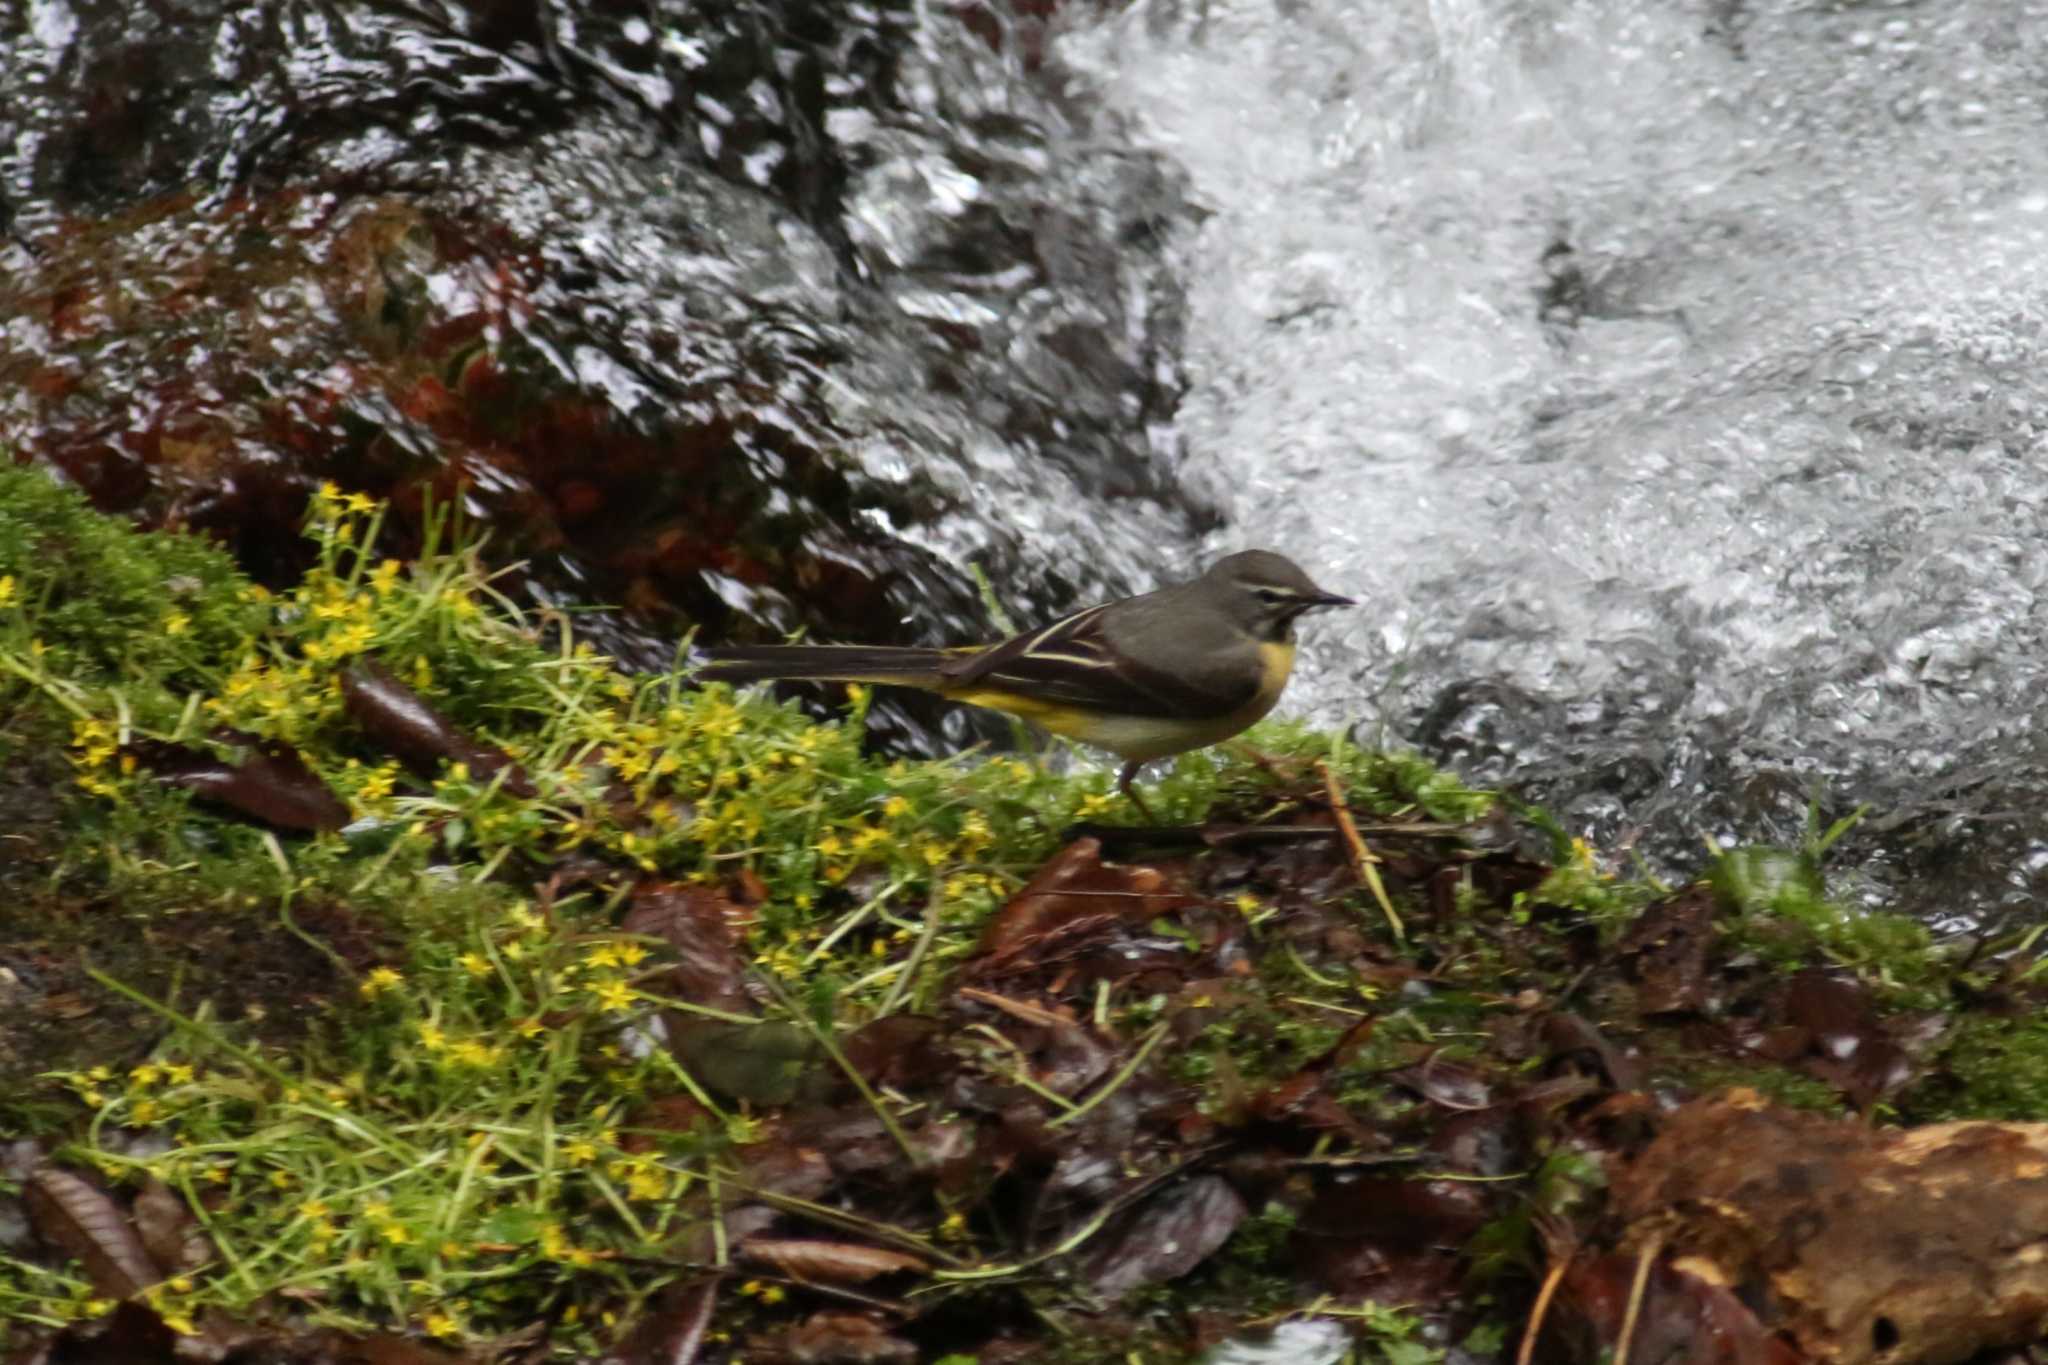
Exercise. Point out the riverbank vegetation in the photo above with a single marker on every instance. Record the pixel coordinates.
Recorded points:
(384, 962)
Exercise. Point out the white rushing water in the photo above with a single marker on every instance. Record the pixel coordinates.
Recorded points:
(1757, 488)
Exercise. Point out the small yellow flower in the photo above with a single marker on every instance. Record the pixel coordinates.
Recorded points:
(470, 1052)
(614, 996)
(895, 807)
(314, 1208)
(603, 955)
(397, 1234)
(580, 1152)
(148, 1074)
(178, 1073)
(631, 954)
(431, 1036)
(647, 1183)
(476, 964)
(176, 623)
(6, 589)
(380, 980)
(441, 1325)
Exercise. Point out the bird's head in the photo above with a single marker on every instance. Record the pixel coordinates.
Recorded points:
(1267, 591)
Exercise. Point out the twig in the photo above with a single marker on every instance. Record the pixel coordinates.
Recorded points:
(1636, 1290)
(1551, 1279)
(1362, 858)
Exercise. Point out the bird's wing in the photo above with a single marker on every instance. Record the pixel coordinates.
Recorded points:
(1075, 662)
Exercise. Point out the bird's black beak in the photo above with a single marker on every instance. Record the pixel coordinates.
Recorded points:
(1330, 599)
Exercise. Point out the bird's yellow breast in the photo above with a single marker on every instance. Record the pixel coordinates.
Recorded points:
(1143, 738)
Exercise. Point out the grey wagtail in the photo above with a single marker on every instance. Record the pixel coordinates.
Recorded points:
(1143, 677)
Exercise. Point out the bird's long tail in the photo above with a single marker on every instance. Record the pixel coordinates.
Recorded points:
(900, 666)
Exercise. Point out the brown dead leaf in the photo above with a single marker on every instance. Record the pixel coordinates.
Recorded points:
(821, 1262)
(83, 1221)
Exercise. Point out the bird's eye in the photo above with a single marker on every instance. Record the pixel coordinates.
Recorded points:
(1272, 596)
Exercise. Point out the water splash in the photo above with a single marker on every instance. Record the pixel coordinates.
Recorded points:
(1672, 389)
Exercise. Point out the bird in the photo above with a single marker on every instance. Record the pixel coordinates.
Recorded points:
(1144, 677)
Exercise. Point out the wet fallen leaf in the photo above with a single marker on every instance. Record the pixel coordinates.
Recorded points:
(1170, 1234)
(837, 1339)
(1666, 952)
(697, 924)
(1074, 891)
(169, 1231)
(1682, 1314)
(400, 720)
(671, 1331)
(85, 1222)
(262, 779)
(822, 1262)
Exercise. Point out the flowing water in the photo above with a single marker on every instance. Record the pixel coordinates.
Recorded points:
(1667, 376)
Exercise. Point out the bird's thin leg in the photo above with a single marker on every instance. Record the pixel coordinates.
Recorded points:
(1123, 784)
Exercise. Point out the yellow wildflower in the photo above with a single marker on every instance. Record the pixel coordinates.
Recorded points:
(379, 980)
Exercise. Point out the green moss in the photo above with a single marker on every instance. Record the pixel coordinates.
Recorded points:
(1992, 1068)
(108, 603)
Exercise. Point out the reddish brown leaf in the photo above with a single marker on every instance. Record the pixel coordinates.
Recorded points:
(132, 1334)
(263, 779)
(82, 1221)
(168, 1230)
(1666, 952)
(899, 1050)
(696, 923)
(828, 1262)
(840, 1339)
(1681, 1316)
(1841, 1039)
(672, 1331)
(1077, 886)
(422, 738)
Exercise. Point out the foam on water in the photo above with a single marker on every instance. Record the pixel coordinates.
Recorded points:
(1670, 384)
